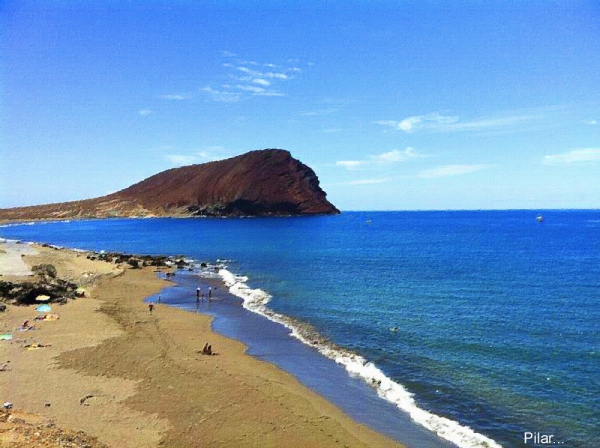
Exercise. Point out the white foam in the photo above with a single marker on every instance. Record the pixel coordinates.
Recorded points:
(256, 300)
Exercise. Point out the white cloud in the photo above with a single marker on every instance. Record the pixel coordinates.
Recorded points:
(393, 156)
(592, 122)
(450, 170)
(252, 89)
(436, 122)
(408, 124)
(180, 160)
(208, 154)
(173, 97)
(417, 122)
(270, 93)
(349, 164)
(262, 75)
(145, 112)
(250, 78)
(212, 153)
(573, 156)
(397, 156)
(223, 96)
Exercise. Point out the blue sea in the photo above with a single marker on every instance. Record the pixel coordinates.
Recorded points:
(479, 326)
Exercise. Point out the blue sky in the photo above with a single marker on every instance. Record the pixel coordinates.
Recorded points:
(397, 105)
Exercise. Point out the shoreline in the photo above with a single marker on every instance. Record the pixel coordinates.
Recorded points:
(271, 341)
(439, 431)
(143, 371)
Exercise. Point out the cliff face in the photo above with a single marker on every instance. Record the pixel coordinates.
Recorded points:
(268, 182)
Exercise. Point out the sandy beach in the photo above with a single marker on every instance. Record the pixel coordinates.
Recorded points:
(125, 377)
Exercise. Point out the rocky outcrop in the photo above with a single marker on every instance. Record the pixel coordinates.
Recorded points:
(268, 182)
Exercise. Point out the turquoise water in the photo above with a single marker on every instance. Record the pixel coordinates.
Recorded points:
(496, 314)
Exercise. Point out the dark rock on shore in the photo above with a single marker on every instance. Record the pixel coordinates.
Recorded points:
(46, 282)
(268, 182)
(25, 293)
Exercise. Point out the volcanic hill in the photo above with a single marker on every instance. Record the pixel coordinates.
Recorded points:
(268, 182)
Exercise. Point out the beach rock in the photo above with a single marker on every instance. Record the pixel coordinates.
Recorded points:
(25, 293)
(47, 270)
(268, 182)
(135, 264)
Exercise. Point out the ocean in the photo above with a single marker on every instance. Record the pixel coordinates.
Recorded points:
(480, 326)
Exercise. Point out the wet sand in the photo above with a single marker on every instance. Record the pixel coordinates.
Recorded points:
(135, 379)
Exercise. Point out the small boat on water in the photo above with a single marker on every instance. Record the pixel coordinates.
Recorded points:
(539, 218)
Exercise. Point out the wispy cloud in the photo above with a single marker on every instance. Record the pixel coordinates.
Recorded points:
(225, 96)
(208, 154)
(390, 157)
(144, 112)
(350, 164)
(397, 156)
(574, 156)
(174, 97)
(436, 122)
(180, 160)
(259, 74)
(247, 79)
(262, 82)
(417, 122)
(450, 170)
(592, 122)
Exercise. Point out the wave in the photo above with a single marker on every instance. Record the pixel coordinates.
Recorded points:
(256, 300)
(33, 223)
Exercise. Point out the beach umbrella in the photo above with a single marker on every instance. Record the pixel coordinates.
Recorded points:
(43, 309)
(42, 298)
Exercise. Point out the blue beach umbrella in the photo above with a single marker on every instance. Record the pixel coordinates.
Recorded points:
(43, 309)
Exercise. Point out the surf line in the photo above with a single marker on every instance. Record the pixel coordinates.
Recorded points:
(256, 300)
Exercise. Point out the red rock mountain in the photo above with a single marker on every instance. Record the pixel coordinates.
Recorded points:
(268, 182)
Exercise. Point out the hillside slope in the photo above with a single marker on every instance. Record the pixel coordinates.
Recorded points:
(268, 182)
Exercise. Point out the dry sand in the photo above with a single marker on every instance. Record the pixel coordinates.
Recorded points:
(128, 378)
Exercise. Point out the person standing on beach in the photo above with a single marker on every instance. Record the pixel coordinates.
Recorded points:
(209, 292)
(198, 293)
(150, 307)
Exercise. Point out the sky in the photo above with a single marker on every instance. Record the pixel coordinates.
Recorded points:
(396, 105)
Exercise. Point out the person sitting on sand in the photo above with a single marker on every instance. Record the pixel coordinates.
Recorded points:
(207, 350)
(25, 326)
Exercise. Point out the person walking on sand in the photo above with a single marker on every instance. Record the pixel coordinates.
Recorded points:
(150, 307)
